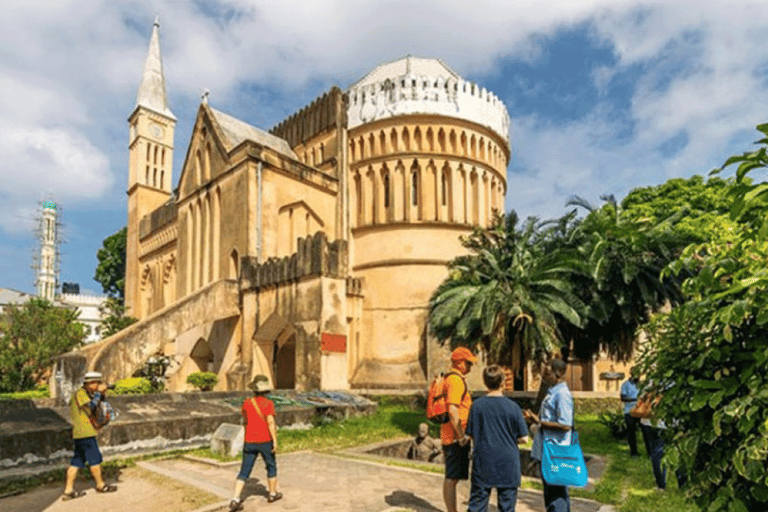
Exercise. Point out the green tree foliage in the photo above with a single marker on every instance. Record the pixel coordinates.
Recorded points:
(32, 335)
(708, 355)
(623, 257)
(510, 294)
(702, 202)
(115, 319)
(111, 269)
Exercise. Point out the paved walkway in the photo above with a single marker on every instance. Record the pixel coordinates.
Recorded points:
(309, 482)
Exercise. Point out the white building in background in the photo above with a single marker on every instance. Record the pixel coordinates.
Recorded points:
(47, 264)
(91, 310)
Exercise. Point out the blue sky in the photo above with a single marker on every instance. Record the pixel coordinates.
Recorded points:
(604, 96)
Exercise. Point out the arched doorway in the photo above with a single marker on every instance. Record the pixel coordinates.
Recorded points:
(202, 356)
(284, 364)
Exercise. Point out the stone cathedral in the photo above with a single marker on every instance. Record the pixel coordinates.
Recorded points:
(307, 252)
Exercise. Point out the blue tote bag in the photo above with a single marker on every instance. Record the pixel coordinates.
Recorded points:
(563, 465)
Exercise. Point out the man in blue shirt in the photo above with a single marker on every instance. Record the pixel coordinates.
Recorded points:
(629, 394)
(554, 423)
(496, 426)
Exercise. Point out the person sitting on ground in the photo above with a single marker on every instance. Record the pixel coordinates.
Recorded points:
(423, 447)
(496, 426)
(84, 402)
(260, 438)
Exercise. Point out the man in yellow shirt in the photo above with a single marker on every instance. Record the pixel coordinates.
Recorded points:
(83, 403)
(452, 434)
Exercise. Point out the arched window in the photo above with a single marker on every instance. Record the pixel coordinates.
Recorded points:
(444, 188)
(382, 142)
(233, 264)
(386, 190)
(441, 140)
(414, 187)
(417, 138)
(359, 198)
(393, 139)
(406, 139)
(430, 139)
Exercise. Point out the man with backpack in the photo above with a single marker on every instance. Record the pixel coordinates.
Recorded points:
(453, 434)
(84, 403)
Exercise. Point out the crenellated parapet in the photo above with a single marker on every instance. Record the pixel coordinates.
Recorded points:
(415, 94)
(315, 256)
(320, 115)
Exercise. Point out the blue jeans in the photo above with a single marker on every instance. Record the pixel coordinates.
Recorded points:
(556, 498)
(656, 451)
(480, 495)
(251, 452)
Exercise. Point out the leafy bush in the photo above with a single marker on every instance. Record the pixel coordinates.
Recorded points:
(708, 356)
(133, 386)
(39, 392)
(154, 371)
(204, 381)
(614, 420)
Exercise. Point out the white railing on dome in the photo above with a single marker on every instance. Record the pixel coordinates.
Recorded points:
(412, 94)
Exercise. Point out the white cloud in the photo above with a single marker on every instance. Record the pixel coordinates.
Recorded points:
(69, 73)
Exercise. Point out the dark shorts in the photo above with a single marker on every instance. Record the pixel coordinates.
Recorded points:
(251, 452)
(86, 450)
(456, 461)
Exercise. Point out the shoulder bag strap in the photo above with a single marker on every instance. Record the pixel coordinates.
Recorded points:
(258, 410)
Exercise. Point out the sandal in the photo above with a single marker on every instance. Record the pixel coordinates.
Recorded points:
(72, 495)
(107, 488)
(235, 505)
(274, 497)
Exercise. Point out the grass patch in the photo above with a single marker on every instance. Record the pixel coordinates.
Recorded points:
(627, 482)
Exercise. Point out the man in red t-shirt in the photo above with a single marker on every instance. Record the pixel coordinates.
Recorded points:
(260, 438)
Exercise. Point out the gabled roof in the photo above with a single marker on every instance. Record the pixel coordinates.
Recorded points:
(407, 65)
(237, 131)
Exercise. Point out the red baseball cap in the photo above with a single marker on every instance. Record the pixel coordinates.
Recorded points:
(463, 354)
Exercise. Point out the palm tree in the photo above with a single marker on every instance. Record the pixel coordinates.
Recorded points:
(623, 259)
(510, 294)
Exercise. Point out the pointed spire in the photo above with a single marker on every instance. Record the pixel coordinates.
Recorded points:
(152, 93)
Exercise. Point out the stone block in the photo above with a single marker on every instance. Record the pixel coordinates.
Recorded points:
(228, 440)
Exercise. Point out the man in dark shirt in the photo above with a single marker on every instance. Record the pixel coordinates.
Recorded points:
(496, 426)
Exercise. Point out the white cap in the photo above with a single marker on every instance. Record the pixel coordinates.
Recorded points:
(93, 377)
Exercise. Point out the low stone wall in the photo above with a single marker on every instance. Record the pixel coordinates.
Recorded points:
(38, 433)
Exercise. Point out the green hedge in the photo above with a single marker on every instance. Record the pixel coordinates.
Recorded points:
(40, 392)
(133, 386)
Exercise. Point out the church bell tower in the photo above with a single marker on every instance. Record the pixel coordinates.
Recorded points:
(151, 127)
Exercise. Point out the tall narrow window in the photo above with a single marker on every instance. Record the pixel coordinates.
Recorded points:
(414, 188)
(444, 189)
(386, 191)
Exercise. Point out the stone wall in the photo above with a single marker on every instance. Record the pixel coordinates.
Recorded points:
(118, 356)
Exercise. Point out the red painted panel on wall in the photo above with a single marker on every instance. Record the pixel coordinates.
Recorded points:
(333, 342)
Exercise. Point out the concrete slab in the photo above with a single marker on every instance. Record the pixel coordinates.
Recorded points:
(312, 481)
(309, 481)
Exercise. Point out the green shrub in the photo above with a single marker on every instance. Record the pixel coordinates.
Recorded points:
(133, 386)
(614, 420)
(39, 392)
(204, 381)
